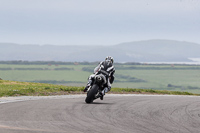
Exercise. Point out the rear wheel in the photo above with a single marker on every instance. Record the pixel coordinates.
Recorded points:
(91, 94)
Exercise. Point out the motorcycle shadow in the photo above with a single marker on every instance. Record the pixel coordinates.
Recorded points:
(102, 103)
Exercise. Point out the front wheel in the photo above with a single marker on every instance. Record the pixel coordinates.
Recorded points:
(91, 94)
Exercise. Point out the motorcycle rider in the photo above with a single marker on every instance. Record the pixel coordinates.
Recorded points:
(103, 67)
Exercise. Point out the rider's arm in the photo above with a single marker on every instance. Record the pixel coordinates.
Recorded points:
(112, 77)
(97, 68)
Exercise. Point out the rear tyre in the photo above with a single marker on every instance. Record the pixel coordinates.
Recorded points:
(91, 94)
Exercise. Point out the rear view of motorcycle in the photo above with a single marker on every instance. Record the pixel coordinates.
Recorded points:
(95, 90)
(100, 81)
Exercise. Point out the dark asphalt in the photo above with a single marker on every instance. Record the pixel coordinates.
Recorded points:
(115, 114)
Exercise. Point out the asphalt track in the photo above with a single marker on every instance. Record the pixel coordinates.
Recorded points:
(115, 114)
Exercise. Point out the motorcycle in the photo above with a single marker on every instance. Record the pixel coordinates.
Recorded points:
(94, 91)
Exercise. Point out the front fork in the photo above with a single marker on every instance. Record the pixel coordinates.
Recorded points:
(89, 88)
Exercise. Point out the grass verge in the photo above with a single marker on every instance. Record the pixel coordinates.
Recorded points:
(15, 88)
(150, 91)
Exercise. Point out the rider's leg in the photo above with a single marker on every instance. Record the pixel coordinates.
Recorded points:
(90, 79)
(107, 88)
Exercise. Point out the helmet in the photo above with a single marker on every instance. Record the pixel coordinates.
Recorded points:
(110, 58)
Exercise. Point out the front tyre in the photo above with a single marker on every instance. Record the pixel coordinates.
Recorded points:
(91, 94)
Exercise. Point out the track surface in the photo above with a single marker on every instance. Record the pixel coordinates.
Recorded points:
(115, 114)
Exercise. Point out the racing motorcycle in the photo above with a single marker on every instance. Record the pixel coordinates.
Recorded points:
(94, 91)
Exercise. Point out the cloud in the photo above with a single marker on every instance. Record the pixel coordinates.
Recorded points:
(101, 5)
(101, 21)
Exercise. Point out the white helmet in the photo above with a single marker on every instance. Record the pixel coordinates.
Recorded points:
(110, 58)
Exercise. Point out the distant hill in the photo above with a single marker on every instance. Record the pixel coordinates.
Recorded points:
(140, 51)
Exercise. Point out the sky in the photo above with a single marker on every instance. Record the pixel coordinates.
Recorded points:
(98, 22)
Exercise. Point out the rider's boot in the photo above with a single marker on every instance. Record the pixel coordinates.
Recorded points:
(105, 90)
(102, 94)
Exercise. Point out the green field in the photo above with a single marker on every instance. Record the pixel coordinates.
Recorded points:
(142, 76)
(16, 88)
